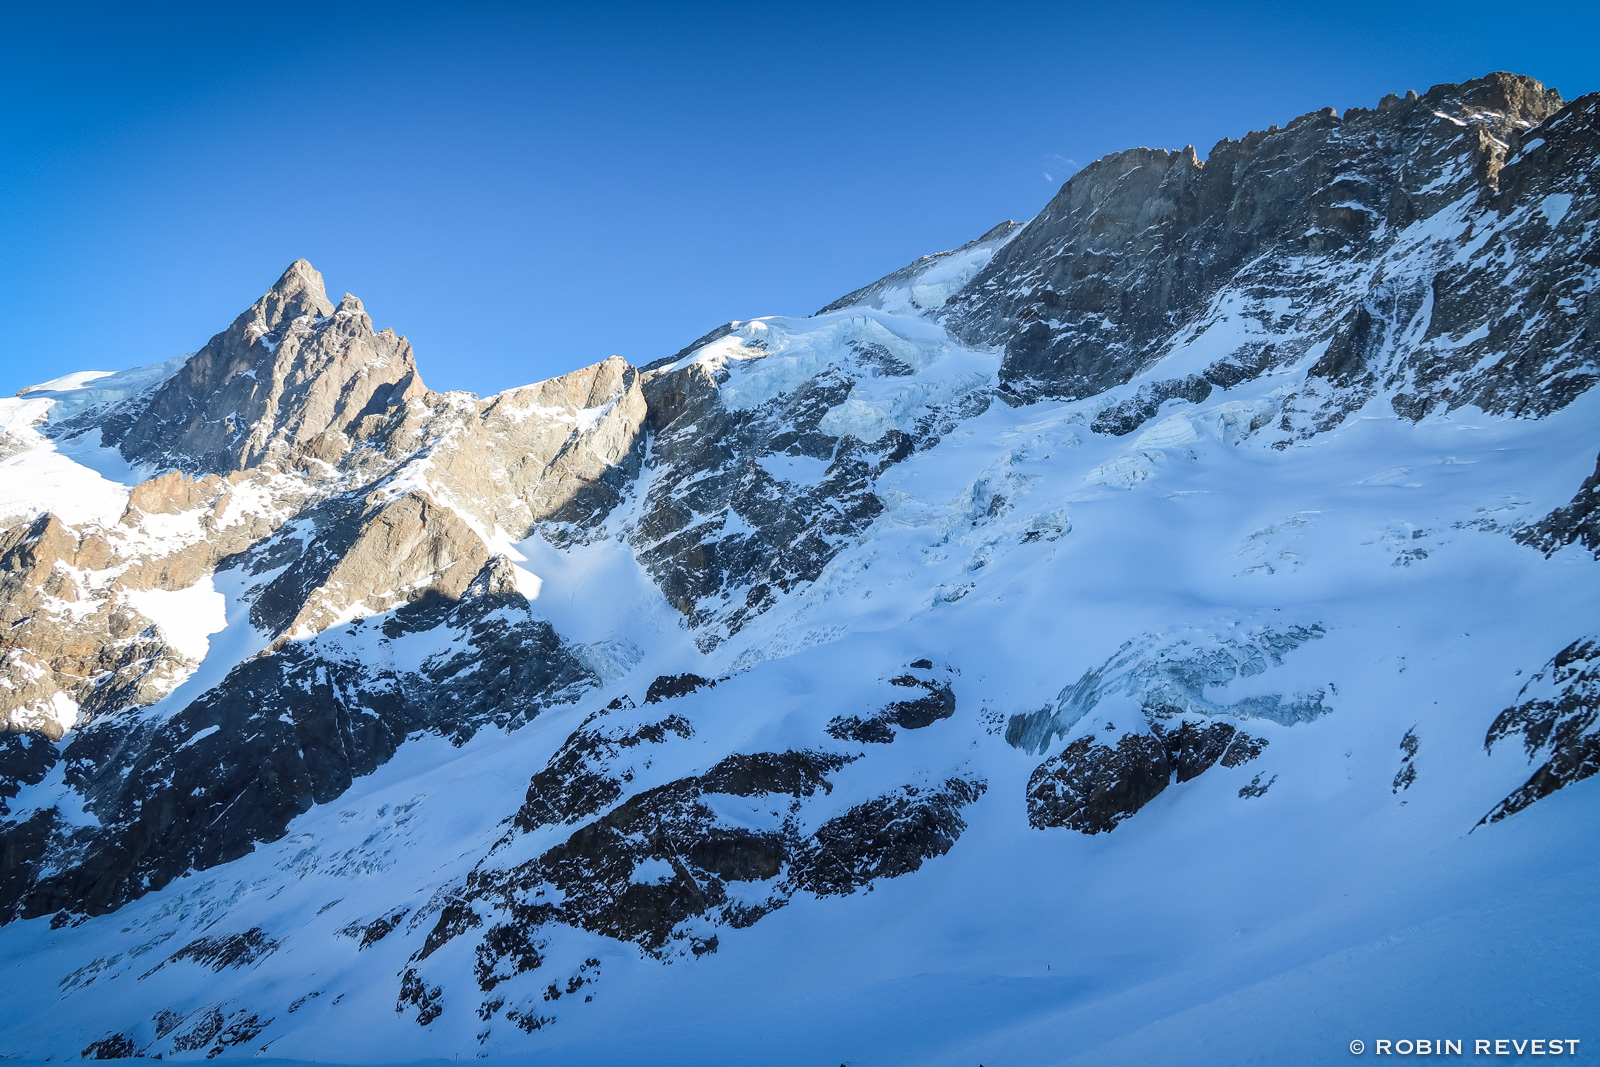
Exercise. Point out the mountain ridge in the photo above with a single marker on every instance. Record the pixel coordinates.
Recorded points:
(799, 616)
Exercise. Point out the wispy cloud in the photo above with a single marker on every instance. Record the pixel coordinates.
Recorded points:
(1061, 165)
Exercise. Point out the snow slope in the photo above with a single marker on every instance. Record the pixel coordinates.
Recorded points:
(879, 803)
(1198, 922)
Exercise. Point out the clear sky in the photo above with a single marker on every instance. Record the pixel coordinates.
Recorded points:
(525, 189)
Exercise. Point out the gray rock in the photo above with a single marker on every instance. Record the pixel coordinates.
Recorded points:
(595, 879)
(1574, 523)
(282, 732)
(1094, 289)
(720, 535)
(1092, 787)
(288, 370)
(1558, 717)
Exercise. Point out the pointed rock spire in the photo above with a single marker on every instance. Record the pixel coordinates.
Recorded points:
(300, 291)
(288, 370)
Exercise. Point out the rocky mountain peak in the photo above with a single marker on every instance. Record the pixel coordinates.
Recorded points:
(1059, 297)
(290, 369)
(1520, 98)
(298, 292)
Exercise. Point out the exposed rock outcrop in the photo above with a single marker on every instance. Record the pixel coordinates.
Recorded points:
(565, 450)
(369, 553)
(1091, 787)
(282, 732)
(1574, 523)
(25, 759)
(583, 777)
(1136, 245)
(67, 648)
(290, 369)
(938, 702)
(1558, 717)
(661, 868)
(720, 533)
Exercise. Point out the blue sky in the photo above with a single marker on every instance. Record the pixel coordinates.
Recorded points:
(525, 189)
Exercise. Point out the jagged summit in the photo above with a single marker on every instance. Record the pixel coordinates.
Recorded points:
(1137, 244)
(299, 291)
(291, 370)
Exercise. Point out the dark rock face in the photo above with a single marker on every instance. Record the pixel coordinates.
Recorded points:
(231, 950)
(884, 838)
(674, 685)
(281, 733)
(663, 868)
(1256, 787)
(25, 847)
(1096, 288)
(582, 777)
(873, 731)
(212, 1029)
(592, 873)
(1576, 523)
(721, 535)
(1130, 414)
(368, 934)
(914, 714)
(1406, 776)
(1242, 749)
(1559, 719)
(594, 869)
(289, 369)
(111, 1047)
(1545, 326)
(1193, 747)
(1091, 787)
(25, 759)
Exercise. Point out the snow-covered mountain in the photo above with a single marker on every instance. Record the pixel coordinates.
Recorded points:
(1162, 631)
